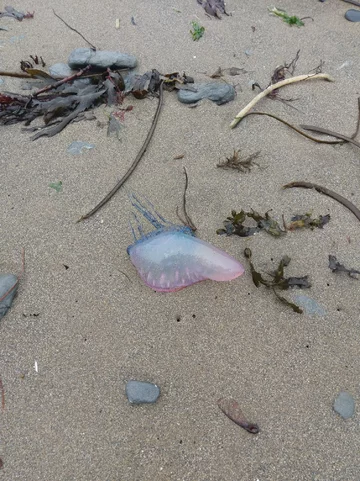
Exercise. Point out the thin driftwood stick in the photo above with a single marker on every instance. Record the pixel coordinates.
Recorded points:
(134, 164)
(271, 88)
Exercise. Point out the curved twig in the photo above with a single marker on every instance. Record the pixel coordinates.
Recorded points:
(323, 190)
(133, 166)
(276, 86)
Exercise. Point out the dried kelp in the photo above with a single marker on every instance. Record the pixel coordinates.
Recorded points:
(301, 221)
(59, 102)
(233, 225)
(149, 83)
(335, 266)
(232, 71)
(213, 7)
(238, 163)
(187, 221)
(232, 410)
(278, 281)
(323, 190)
(134, 164)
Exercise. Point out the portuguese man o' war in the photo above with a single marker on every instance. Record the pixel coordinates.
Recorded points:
(171, 257)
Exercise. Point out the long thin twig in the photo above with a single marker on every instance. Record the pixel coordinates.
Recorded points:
(330, 193)
(271, 88)
(133, 166)
(295, 128)
(62, 81)
(74, 30)
(188, 221)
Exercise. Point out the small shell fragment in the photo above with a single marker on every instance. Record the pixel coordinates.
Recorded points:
(117, 23)
(232, 410)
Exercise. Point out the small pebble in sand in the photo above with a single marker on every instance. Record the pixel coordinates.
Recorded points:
(344, 405)
(139, 392)
(218, 92)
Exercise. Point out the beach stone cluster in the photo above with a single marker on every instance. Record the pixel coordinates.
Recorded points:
(97, 59)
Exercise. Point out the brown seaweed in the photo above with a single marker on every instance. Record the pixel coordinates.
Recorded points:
(232, 410)
(233, 225)
(213, 8)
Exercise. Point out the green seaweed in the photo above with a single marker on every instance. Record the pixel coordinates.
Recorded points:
(197, 31)
(56, 186)
(234, 225)
(290, 20)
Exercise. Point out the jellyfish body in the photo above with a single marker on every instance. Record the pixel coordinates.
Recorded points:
(171, 257)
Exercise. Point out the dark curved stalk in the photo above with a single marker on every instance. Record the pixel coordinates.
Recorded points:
(330, 193)
(134, 164)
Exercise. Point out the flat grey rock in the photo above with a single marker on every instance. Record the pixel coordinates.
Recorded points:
(7, 281)
(139, 392)
(217, 92)
(61, 70)
(101, 59)
(353, 15)
(344, 405)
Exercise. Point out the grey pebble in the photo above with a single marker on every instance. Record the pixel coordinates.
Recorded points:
(61, 70)
(218, 92)
(353, 15)
(102, 59)
(344, 405)
(139, 392)
(7, 281)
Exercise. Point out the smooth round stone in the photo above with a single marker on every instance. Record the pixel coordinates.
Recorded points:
(101, 59)
(61, 70)
(217, 92)
(139, 392)
(353, 15)
(344, 405)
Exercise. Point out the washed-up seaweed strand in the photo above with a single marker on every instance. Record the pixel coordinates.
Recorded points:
(323, 190)
(320, 130)
(295, 128)
(134, 164)
(74, 30)
(188, 221)
(2, 394)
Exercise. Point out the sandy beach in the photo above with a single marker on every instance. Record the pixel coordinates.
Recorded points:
(82, 312)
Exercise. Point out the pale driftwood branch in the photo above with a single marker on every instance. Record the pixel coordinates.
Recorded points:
(271, 88)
